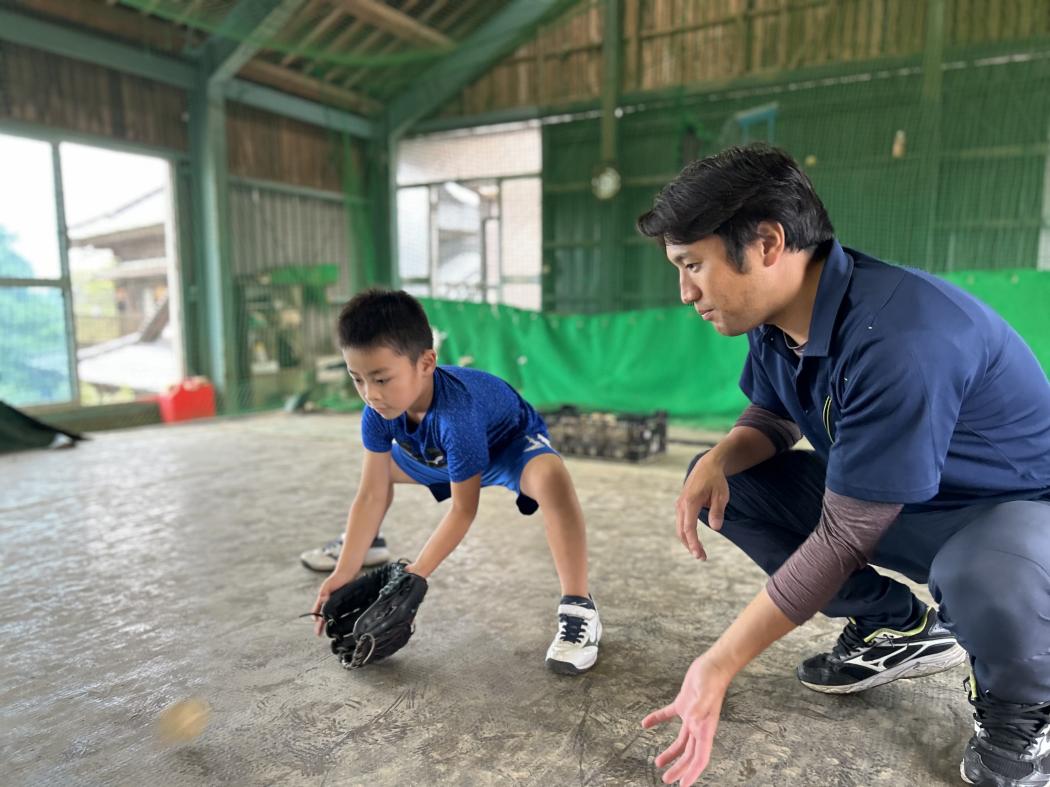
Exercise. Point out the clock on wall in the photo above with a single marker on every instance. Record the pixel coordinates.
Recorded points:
(606, 182)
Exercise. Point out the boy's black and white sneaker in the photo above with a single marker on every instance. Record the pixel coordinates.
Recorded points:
(859, 662)
(1010, 746)
(575, 646)
(325, 557)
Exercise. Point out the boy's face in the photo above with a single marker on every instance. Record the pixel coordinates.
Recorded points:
(387, 381)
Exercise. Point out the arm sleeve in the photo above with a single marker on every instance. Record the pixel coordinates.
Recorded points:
(374, 432)
(844, 541)
(900, 405)
(782, 432)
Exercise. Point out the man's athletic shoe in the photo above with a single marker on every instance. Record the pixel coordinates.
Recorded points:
(324, 558)
(1010, 746)
(575, 646)
(859, 662)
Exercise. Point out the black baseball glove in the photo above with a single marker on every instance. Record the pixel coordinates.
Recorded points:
(372, 617)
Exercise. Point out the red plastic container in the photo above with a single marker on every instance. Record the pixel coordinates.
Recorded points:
(192, 398)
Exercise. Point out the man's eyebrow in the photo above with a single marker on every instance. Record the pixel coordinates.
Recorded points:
(371, 373)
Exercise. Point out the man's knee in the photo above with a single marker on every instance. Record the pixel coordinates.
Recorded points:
(993, 584)
(694, 460)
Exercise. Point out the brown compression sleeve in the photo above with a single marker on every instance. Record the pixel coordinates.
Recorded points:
(844, 540)
(782, 432)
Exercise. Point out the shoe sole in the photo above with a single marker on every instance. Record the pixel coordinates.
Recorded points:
(567, 667)
(914, 669)
(370, 560)
(317, 568)
(962, 773)
(997, 782)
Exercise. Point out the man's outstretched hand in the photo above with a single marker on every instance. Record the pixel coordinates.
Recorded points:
(698, 705)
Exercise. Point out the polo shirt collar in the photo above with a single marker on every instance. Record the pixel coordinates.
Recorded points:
(831, 289)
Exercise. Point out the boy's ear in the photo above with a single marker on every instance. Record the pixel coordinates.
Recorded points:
(427, 361)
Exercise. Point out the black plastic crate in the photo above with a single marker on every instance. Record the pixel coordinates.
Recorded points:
(625, 437)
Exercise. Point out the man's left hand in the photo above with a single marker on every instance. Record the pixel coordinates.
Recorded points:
(699, 705)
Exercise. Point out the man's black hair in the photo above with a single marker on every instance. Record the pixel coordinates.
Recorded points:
(729, 193)
(385, 318)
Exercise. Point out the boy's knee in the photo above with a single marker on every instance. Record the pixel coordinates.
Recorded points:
(545, 471)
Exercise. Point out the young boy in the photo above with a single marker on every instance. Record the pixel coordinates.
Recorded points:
(454, 430)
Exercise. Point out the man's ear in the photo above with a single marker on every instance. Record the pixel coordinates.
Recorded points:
(427, 361)
(771, 241)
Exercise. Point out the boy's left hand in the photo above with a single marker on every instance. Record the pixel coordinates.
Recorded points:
(699, 705)
(328, 587)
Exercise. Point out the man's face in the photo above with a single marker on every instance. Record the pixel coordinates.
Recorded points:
(387, 381)
(733, 302)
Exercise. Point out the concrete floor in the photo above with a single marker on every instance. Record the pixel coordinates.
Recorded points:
(154, 564)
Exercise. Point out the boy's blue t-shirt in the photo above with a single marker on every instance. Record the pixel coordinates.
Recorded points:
(473, 416)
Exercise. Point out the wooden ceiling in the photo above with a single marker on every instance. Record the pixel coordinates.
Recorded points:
(355, 54)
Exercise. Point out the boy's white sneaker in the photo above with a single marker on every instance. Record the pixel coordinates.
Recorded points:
(325, 557)
(575, 646)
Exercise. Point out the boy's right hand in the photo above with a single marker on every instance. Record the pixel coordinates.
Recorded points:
(328, 587)
(706, 487)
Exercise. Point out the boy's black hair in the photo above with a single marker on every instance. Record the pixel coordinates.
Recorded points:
(729, 193)
(385, 318)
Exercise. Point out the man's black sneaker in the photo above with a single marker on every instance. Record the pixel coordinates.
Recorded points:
(859, 662)
(1010, 746)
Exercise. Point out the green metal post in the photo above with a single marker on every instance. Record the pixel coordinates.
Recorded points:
(612, 58)
(211, 212)
(611, 249)
(930, 114)
(66, 277)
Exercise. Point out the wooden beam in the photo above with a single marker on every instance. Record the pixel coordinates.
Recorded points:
(90, 47)
(353, 77)
(300, 84)
(497, 37)
(318, 30)
(395, 22)
(114, 21)
(336, 43)
(243, 32)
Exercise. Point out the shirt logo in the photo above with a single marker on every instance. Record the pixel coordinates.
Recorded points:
(537, 442)
(827, 419)
(435, 457)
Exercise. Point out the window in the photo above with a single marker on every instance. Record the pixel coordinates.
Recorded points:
(469, 207)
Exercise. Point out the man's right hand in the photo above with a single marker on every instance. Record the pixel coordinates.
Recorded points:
(706, 487)
(328, 587)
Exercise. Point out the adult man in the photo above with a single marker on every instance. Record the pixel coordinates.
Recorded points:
(930, 420)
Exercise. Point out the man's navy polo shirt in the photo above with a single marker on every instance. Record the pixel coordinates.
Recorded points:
(909, 388)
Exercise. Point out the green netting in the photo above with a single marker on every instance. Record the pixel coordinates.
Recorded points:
(942, 165)
(662, 359)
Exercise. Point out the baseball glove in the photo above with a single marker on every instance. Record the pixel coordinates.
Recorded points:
(370, 618)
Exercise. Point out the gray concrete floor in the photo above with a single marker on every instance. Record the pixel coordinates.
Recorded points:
(150, 565)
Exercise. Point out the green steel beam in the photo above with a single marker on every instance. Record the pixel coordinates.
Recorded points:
(300, 108)
(211, 204)
(612, 55)
(243, 32)
(637, 100)
(930, 118)
(91, 48)
(494, 39)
